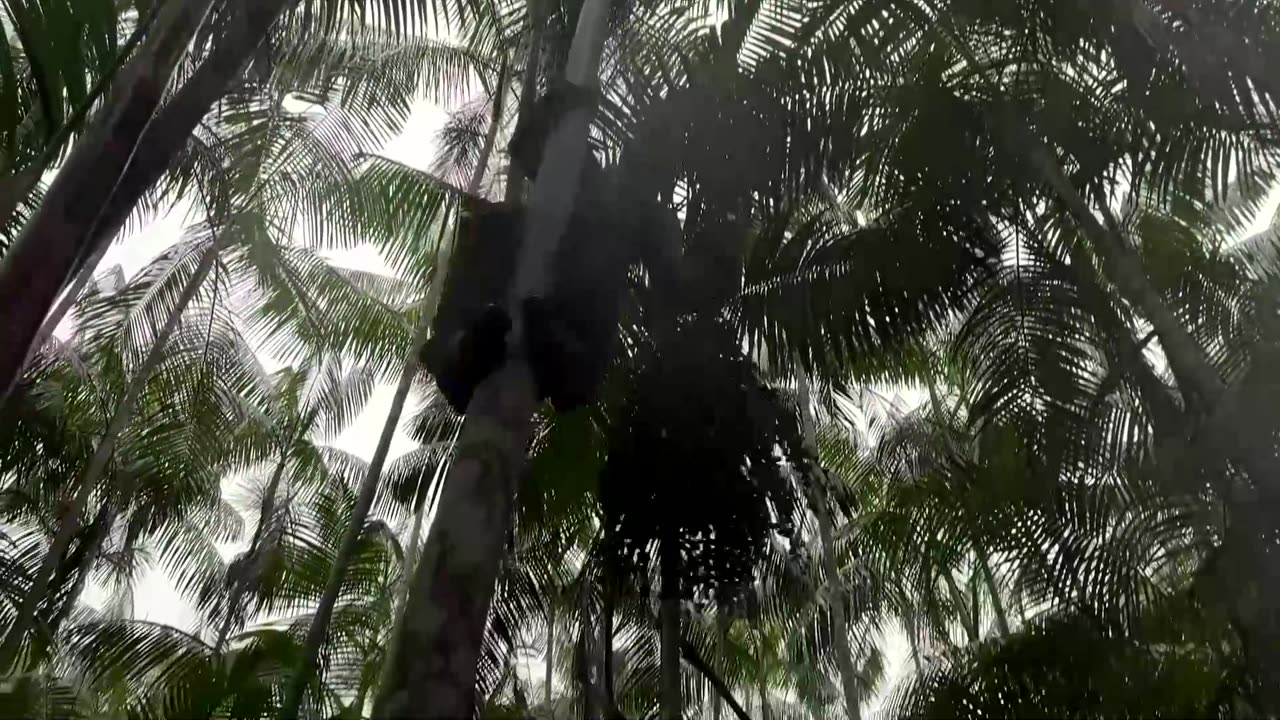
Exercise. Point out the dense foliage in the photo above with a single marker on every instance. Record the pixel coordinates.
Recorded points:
(966, 405)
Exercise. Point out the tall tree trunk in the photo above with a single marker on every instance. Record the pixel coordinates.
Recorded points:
(722, 634)
(117, 160)
(997, 603)
(690, 654)
(550, 658)
(369, 486)
(592, 687)
(528, 88)
(82, 560)
(1123, 268)
(266, 510)
(91, 477)
(69, 297)
(830, 567)
(671, 701)
(402, 588)
(434, 670)
(762, 687)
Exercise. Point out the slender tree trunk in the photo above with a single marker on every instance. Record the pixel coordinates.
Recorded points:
(528, 88)
(549, 676)
(38, 264)
(266, 511)
(592, 687)
(1123, 268)
(830, 566)
(434, 670)
(116, 161)
(102, 526)
(966, 623)
(91, 477)
(351, 537)
(690, 654)
(369, 487)
(762, 688)
(402, 588)
(997, 603)
(671, 702)
(69, 297)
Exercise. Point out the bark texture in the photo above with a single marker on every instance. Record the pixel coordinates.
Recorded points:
(433, 671)
(117, 160)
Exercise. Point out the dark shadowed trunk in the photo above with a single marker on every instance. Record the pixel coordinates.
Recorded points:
(671, 702)
(723, 693)
(117, 160)
(589, 659)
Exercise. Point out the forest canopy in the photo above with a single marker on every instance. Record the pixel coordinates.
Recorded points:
(639, 359)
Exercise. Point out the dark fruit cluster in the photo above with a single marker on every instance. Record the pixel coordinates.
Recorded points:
(697, 462)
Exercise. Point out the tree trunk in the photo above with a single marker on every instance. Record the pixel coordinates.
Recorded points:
(589, 662)
(265, 511)
(116, 161)
(369, 487)
(69, 298)
(351, 536)
(830, 567)
(82, 560)
(434, 670)
(997, 603)
(91, 477)
(690, 654)
(550, 656)
(402, 590)
(761, 686)
(1123, 268)
(528, 88)
(671, 702)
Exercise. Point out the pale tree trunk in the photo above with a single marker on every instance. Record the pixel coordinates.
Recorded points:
(434, 670)
(1198, 380)
(671, 701)
(830, 567)
(91, 477)
(117, 160)
(369, 486)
